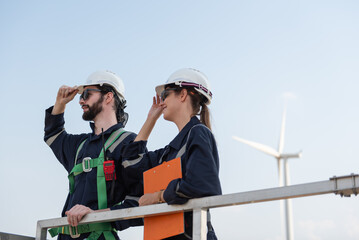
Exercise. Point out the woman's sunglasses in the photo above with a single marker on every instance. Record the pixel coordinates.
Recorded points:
(165, 93)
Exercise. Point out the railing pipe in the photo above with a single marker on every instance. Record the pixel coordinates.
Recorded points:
(345, 186)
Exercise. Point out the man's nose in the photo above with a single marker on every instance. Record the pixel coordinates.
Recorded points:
(81, 101)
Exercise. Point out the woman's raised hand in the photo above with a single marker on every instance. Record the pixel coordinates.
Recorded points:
(154, 113)
(156, 109)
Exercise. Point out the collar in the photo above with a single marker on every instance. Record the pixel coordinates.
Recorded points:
(108, 132)
(176, 143)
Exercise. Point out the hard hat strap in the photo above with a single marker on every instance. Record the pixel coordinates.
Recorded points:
(195, 85)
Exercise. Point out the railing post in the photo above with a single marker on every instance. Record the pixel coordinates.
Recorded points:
(40, 232)
(199, 224)
(10, 236)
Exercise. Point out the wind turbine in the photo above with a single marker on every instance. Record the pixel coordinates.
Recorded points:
(282, 162)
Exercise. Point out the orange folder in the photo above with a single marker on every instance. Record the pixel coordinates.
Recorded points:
(157, 179)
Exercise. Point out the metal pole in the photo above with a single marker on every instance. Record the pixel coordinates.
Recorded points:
(41, 232)
(10, 236)
(288, 204)
(281, 202)
(199, 224)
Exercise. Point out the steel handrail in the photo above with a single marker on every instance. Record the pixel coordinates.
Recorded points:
(344, 186)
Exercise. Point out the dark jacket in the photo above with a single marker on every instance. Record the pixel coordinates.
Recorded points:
(65, 146)
(200, 164)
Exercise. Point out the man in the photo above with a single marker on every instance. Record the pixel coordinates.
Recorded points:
(95, 175)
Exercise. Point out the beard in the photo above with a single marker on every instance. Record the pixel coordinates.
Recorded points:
(93, 110)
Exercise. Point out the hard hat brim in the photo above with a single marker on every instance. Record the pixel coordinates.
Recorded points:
(82, 87)
(160, 88)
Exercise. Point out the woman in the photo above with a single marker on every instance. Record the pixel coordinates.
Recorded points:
(185, 95)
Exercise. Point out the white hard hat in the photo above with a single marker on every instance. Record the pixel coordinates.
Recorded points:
(105, 77)
(191, 78)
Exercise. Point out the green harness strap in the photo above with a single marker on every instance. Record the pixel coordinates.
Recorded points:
(88, 164)
(96, 229)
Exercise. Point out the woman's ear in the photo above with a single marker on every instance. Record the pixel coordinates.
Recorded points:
(183, 94)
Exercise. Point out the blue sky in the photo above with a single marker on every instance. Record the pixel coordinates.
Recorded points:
(253, 53)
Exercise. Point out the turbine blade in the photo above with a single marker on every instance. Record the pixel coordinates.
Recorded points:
(259, 146)
(282, 132)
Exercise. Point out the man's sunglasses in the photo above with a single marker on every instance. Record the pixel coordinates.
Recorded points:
(165, 93)
(85, 95)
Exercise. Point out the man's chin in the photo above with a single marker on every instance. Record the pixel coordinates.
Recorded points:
(86, 117)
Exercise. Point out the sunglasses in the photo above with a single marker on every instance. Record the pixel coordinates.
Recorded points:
(85, 95)
(165, 93)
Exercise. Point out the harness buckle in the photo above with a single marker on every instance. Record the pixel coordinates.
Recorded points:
(77, 234)
(86, 164)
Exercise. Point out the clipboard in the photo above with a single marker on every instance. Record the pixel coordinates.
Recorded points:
(154, 180)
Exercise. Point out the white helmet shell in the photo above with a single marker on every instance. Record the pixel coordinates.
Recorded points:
(189, 77)
(105, 77)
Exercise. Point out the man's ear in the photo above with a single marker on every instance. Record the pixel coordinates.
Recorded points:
(108, 97)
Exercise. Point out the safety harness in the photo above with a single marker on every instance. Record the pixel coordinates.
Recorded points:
(87, 165)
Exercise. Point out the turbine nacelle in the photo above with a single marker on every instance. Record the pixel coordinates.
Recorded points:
(289, 155)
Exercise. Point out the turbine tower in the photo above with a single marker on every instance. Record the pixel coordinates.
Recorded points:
(282, 162)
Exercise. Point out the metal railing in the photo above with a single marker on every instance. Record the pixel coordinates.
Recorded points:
(10, 236)
(344, 186)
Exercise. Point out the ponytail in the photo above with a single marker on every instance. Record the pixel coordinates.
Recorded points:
(205, 115)
(199, 107)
